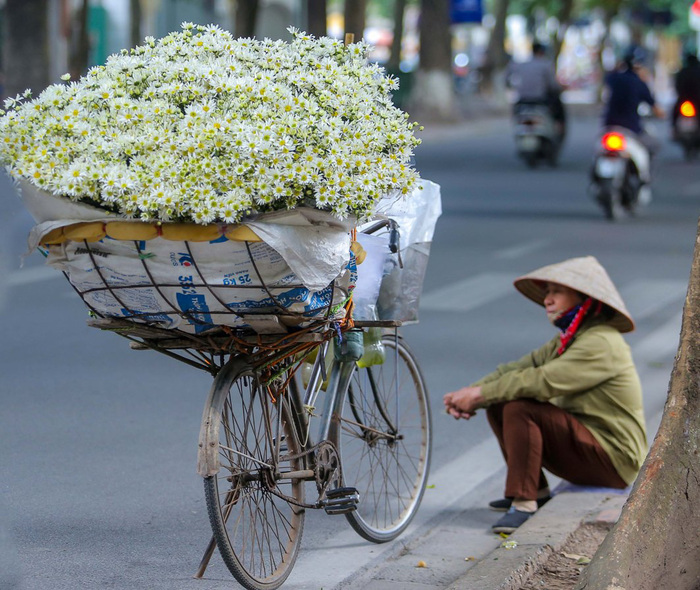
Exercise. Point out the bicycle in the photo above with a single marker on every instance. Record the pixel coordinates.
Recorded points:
(369, 460)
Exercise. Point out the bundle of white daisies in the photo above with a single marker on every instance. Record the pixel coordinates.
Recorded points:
(200, 126)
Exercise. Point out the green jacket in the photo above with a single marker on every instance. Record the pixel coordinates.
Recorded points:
(594, 379)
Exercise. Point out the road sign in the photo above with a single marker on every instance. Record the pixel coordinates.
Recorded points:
(466, 11)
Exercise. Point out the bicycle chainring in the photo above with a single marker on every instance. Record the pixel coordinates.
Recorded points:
(328, 473)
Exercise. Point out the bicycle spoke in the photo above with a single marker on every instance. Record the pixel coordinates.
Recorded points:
(385, 450)
(257, 531)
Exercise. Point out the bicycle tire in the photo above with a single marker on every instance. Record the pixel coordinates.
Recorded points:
(258, 533)
(384, 452)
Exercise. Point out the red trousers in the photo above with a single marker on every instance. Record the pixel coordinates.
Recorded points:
(535, 435)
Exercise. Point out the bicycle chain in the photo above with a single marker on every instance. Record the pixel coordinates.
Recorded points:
(290, 499)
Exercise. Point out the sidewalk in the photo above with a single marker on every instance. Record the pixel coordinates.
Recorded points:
(447, 559)
(459, 551)
(508, 566)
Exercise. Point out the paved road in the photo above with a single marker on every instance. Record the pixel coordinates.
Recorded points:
(99, 488)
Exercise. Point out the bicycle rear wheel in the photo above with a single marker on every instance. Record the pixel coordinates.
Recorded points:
(384, 438)
(254, 514)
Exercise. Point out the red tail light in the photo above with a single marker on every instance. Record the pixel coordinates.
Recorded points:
(688, 109)
(614, 142)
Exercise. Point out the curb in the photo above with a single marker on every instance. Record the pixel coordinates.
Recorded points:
(541, 536)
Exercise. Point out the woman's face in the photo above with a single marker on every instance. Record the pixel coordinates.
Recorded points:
(558, 299)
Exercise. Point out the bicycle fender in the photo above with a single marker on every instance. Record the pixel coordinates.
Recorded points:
(208, 452)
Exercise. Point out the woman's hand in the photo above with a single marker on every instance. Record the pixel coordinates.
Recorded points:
(463, 402)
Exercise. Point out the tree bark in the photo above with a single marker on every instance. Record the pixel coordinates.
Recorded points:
(355, 14)
(316, 18)
(26, 46)
(655, 544)
(246, 17)
(135, 22)
(80, 42)
(397, 41)
(607, 22)
(566, 9)
(432, 93)
(496, 57)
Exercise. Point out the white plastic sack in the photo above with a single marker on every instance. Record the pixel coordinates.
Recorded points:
(302, 267)
(191, 286)
(314, 243)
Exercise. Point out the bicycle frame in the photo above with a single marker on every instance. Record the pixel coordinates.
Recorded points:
(341, 373)
(302, 408)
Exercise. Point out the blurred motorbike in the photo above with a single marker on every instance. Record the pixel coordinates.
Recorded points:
(686, 128)
(620, 173)
(537, 135)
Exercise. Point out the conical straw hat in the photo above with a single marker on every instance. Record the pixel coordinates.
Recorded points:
(585, 275)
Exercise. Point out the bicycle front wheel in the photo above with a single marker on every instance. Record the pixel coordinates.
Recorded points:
(255, 512)
(384, 437)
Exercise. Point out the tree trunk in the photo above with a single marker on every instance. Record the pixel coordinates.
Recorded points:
(135, 22)
(395, 57)
(317, 18)
(566, 9)
(80, 42)
(432, 95)
(607, 22)
(246, 17)
(355, 18)
(655, 544)
(496, 57)
(26, 46)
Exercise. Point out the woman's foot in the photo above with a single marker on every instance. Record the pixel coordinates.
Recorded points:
(504, 504)
(511, 520)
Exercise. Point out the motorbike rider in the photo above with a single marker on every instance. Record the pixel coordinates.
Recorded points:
(536, 83)
(687, 84)
(626, 89)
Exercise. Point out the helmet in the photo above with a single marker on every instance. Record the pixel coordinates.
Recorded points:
(690, 59)
(634, 56)
(539, 48)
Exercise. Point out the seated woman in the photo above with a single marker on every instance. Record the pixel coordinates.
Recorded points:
(572, 406)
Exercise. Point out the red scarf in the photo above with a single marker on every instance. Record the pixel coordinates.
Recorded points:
(568, 334)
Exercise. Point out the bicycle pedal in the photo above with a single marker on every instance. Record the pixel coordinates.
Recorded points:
(340, 500)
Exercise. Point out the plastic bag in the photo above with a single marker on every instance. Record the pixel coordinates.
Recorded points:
(401, 288)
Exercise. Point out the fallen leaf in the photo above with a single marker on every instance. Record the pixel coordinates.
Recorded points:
(430, 487)
(574, 556)
(509, 544)
(421, 563)
(470, 558)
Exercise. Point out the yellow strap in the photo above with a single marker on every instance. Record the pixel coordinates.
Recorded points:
(136, 230)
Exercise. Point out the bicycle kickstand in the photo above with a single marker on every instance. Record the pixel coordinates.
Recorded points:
(208, 552)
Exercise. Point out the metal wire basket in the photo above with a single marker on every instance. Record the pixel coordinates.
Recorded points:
(191, 306)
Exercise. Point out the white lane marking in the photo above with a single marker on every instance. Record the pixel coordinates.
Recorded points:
(349, 554)
(521, 249)
(35, 274)
(469, 293)
(644, 298)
